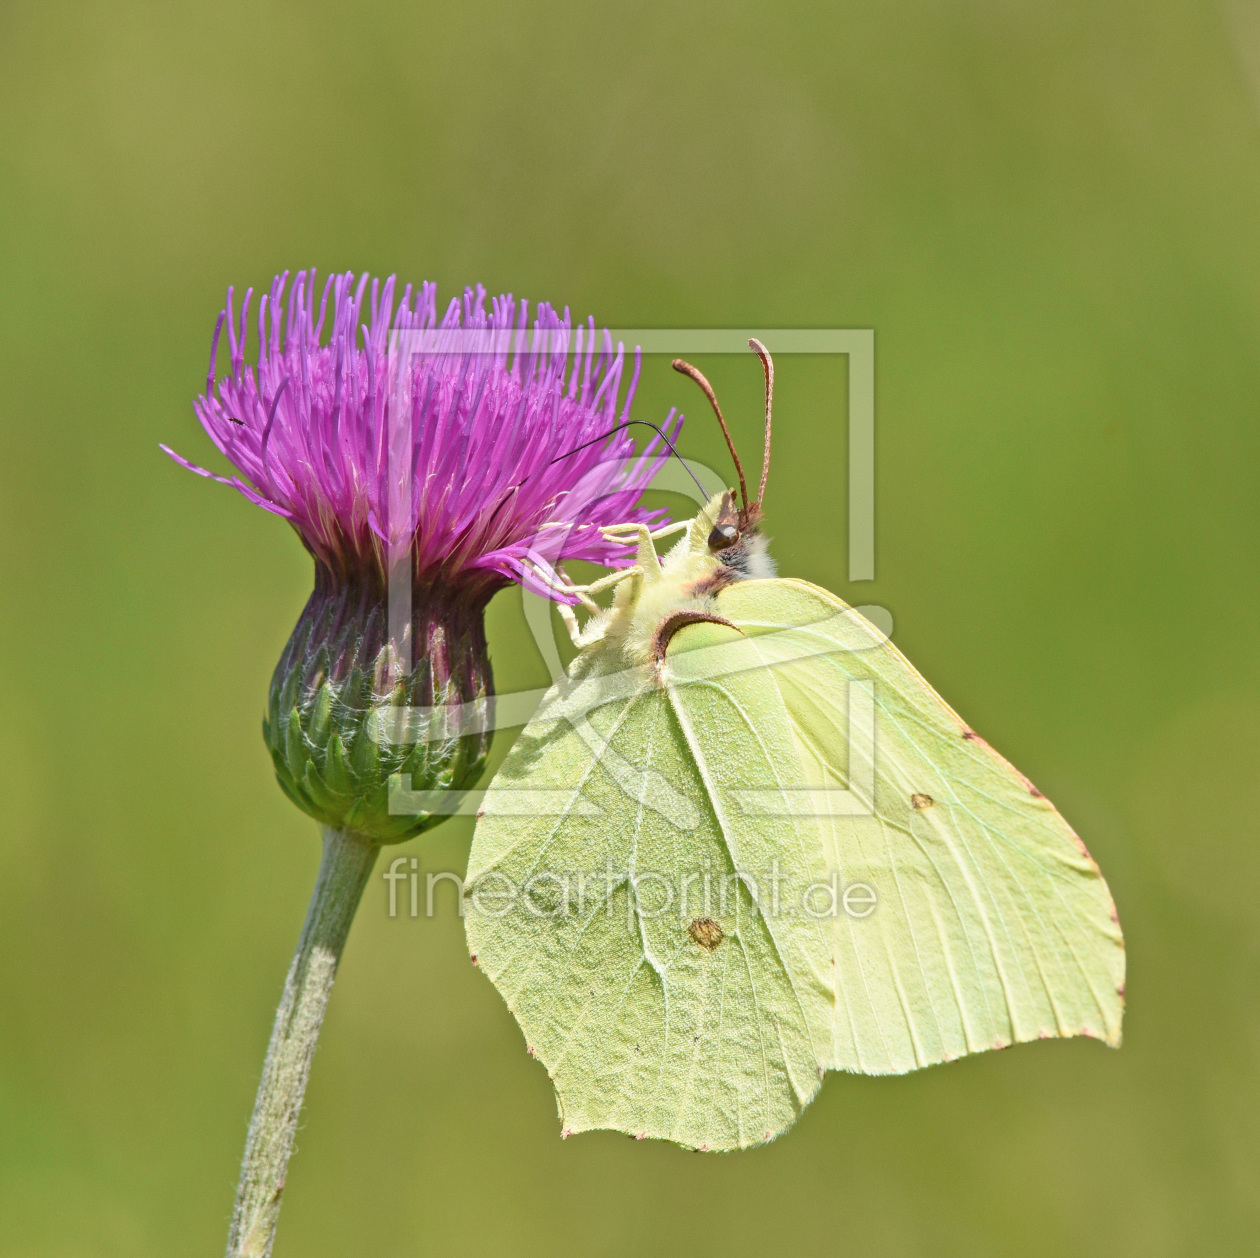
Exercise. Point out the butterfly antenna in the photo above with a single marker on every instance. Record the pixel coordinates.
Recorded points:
(698, 376)
(660, 432)
(768, 363)
(643, 423)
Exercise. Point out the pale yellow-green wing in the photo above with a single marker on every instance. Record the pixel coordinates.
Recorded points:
(975, 916)
(613, 898)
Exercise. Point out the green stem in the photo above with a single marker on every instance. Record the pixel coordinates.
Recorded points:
(343, 874)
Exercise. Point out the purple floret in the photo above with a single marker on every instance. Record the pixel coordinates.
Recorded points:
(405, 436)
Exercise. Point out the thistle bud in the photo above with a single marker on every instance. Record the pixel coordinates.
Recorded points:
(341, 723)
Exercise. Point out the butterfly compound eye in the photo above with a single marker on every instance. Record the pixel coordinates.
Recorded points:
(723, 535)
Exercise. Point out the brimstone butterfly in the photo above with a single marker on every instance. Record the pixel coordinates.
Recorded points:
(769, 849)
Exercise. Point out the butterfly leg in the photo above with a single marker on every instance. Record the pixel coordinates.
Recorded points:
(570, 622)
(616, 532)
(605, 583)
(566, 586)
(581, 636)
(584, 592)
(647, 560)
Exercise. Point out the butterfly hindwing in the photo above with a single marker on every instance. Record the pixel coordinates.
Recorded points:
(708, 1023)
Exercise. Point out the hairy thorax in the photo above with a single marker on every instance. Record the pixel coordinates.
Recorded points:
(687, 582)
(681, 586)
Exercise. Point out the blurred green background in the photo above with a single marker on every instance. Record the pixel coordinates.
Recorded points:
(1050, 215)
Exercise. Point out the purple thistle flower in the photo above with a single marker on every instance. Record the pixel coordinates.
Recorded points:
(459, 454)
(453, 444)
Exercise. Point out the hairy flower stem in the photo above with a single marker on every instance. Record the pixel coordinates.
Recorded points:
(343, 874)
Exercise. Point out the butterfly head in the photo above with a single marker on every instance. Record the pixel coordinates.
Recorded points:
(735, 540)
(728, 529)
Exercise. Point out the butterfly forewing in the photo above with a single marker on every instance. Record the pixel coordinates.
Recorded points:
(986, 922)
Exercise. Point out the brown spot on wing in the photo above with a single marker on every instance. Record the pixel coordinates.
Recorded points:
(920, 802)
(706, 932)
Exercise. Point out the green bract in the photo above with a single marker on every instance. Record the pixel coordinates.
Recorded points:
(328, 728)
